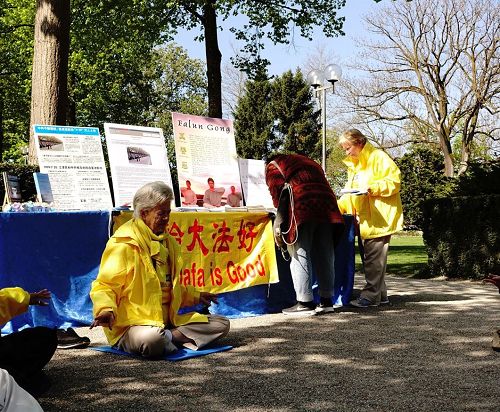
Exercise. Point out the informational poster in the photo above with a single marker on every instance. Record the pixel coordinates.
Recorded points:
(253, 181)
(73, 159)
(205, 149)
(137, 155)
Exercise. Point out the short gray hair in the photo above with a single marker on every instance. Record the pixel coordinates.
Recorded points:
(151, 195)
(353, 136)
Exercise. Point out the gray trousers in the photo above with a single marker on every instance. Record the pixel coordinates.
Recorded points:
(375, 265)
(313, 250)
(153, 342)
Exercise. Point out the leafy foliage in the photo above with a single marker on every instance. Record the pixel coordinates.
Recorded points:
(253, 122)
(16, 49)
(480, 178)
(462, 236)
(296, 118)
(422, 178)
(277, 116)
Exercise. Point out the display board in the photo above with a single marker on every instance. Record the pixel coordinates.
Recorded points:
(205, 148)
(12, 187)
(73, 159)
(253, 181)
(137, 155)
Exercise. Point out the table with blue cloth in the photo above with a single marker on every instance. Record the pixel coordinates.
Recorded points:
(61, 251)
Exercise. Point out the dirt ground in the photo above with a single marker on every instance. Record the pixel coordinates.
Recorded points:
(430, 350)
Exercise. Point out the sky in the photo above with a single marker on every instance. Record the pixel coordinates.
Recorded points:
(287, 57)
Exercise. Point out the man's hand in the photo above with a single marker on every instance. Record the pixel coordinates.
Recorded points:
(278, 239)
(40, 298)
(104, 319)
(207, 298)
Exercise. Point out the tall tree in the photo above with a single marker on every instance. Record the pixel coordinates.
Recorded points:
(49, 92)
(295, 116)
(277, 115)
(433, 64)
(254, 121)
(16, 41)
(273, 20)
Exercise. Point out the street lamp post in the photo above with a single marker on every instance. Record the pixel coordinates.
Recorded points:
(317, 79)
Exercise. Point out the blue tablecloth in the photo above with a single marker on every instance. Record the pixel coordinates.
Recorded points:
(62, 252)
(57, 251)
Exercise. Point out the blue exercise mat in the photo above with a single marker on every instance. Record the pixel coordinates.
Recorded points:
(181, 354)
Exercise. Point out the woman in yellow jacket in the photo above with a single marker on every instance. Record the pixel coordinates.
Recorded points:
(24, 354)
(137, 296)
(372, 196)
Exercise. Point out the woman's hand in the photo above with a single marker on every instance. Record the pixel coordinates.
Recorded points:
(207, 298)
(40, 298)
(104, 319)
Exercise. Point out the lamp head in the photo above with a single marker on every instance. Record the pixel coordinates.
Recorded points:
(315, 78)
(333, 73)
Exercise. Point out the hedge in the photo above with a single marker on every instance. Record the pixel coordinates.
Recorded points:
(462, 236)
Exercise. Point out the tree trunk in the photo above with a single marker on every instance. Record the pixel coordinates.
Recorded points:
(49, 89)
(446, 149)
(214, 58)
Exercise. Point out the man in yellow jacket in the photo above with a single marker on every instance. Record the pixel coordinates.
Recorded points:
(137, 295)
(24, 354)
(372, 195)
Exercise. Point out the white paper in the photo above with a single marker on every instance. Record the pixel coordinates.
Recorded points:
(253, 181)
(353, 191)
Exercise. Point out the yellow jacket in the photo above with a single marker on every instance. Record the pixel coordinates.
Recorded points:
(380, 213)
(128, 285)
(13, 302)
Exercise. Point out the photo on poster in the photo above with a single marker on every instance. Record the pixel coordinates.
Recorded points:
(207, 164)
(137, 155)
(50, 143)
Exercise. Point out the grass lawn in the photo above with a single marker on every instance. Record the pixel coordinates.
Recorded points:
(407, 255)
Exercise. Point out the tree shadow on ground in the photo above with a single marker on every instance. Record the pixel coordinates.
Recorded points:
(431, 346)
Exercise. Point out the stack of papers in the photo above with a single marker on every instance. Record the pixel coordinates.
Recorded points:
(354, 192)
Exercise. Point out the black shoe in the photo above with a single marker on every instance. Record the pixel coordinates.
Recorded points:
(325, 306)
(69, 339)
(385, 301)
(301, 309)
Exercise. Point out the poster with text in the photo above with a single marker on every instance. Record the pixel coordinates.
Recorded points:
(137, 155)
(205, 148)
(253, 180)
(73, 159)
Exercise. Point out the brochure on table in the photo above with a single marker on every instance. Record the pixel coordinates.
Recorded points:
(43, 188)
(12, 188)
(253, 180)
(73, 159)
(205, 148)
(137, 155)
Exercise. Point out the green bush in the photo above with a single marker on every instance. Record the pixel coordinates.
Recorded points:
(462, 236)
(480, 178)
(25, 174)
(422, 178)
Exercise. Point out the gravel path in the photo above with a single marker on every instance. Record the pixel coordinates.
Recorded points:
(429, 351)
